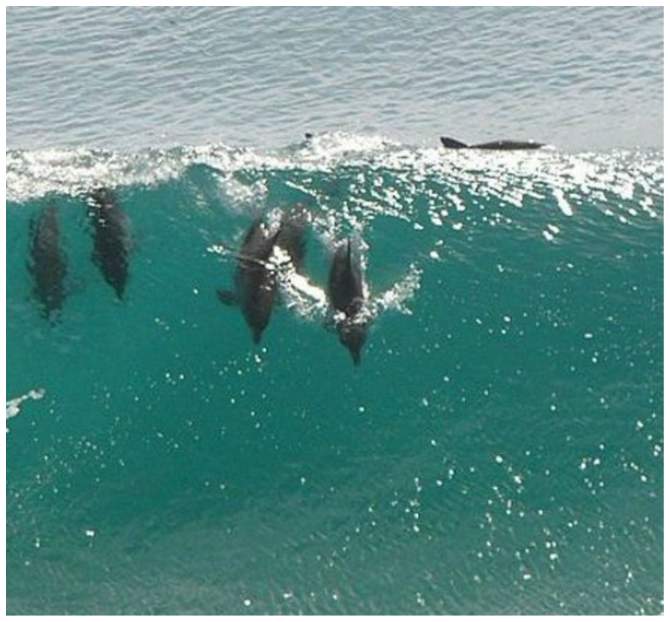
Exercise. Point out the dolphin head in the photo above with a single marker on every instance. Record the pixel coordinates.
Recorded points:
(256, 334)
(119, 288)
(102, 196)
(352, 336)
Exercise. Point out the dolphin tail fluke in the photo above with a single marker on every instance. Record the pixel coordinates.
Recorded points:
(227, 297)
(451, 143)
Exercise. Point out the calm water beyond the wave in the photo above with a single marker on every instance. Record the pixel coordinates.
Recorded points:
(500, 447)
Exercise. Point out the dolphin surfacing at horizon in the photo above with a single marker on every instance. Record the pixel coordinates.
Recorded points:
(495, 145)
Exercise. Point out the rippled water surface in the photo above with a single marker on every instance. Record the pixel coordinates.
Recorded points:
(500, 447)
(581, 78)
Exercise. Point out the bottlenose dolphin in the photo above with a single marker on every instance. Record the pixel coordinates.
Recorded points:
(255, 281)
(48, 263)
(347, 295)
(292, 231)
(496, 145)
(111, 238)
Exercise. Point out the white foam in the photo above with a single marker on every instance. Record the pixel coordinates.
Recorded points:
(13, 407)
(467, 176)
(300, 294)
(563, 204)
(399, 294)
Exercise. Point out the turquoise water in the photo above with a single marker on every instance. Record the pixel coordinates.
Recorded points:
(498, 450)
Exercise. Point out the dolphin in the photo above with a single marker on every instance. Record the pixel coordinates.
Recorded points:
(111, 238)
(48, 264)
(347, 295)
(254, 282)
(256, 276)
(496, 145)
(291, 236)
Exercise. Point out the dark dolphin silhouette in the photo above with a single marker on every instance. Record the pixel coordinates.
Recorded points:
(496, 145)
(347, 295)
(255, 278)
(292, 231)
(48, 264)
(111, 238)
(255, 281)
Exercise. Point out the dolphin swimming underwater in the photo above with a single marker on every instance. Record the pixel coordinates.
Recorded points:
(111, 238)
(292, 231)
(256, 276)
(48, 263)
(496, 145)
(346, 292)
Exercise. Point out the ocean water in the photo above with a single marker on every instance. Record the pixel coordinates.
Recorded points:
(500, 447)
(125, 78)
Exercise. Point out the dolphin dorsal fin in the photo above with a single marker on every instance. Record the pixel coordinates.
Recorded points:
(452, 143)
(349, 251)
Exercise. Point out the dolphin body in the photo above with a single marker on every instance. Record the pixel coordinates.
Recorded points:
(111, 238)
(48, 263)
(347, 295)
(496, 145)
(292, 235)
(255, 281)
